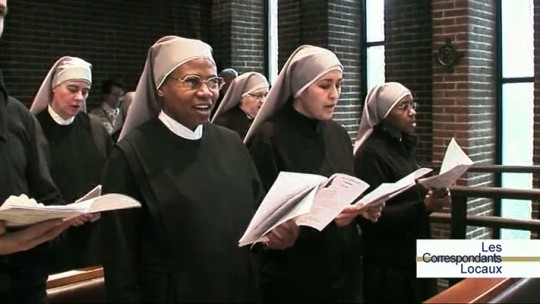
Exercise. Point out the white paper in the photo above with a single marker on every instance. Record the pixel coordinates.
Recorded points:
(22, 211)
(337, 193)
(313, 200)
(455, 163)
(454, 156)
(91, 194)
(288, 197)
(386, 191)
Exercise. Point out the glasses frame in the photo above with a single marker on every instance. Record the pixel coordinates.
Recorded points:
(221, 82)
(258, 97)
(405, 107)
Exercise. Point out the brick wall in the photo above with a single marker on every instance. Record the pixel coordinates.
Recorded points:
(345, 38)
(221, 35)
(248, 29)
(288, 29)
(113, 35)
(464, 97)
(335, 25)
(408, 60)
(482, 99)
(237, 36)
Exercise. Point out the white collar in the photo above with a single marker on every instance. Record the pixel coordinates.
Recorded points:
(107, 107)
(59, 120)
(179, 129)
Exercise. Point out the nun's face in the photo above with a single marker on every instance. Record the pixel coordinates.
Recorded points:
(252, 102)
(189, 106)
(69, 98)
(403, 116)
(319, 100)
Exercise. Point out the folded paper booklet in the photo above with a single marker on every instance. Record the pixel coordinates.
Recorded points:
(386, 191)
(454, 164)
(312, 200)
(22, 211)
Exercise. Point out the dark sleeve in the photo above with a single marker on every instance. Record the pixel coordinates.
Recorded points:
(262, 153)
(398, 213)
(40, 182)
(109, 142)
(258, 196)
(121, 234)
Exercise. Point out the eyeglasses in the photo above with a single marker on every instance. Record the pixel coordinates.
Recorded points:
(194, 82)
(259, 96)
(407, 106)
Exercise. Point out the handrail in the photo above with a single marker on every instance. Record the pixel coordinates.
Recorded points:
(460, 219)
(74, 276)
(496, 192)
(473, 290)
(504, 169)
(489, 221)
(495, 168)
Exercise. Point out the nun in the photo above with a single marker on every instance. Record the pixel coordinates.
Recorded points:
(242, 102)
(197, 185)
(384, 153)
(76, 146)
(294, 131)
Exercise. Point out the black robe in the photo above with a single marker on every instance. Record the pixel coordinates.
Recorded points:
(76, 161)
(390, 244)
(197, 197)
(321, 266)
(236, 120)
(23, 171)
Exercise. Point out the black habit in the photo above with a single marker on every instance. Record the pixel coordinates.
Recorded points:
(321, 266)
(236, 120)
(23, 170)
(390, 244)
(76, 155)
(198, 197)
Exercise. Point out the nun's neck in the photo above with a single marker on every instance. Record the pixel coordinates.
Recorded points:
(391, 130)
(59, 119)
(299, 109)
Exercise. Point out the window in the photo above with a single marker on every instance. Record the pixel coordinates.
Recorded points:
(516, 104)
(374, 25)
(272, 40)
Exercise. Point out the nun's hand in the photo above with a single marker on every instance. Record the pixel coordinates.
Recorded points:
(282, 237)
(348, 214)
(84, 218)
(31, 236)
(373, 213)
(94, 217)
(437, 199)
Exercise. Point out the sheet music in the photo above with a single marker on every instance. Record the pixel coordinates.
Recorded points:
(106, 202)
(454, 156)
(455, 164)
(91, 194)
(340, 191)
(22, 211)
(291, 195)
(386, 191)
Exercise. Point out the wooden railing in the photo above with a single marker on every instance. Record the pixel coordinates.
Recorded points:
(481, 290)
(74, 276)
(459, 220)
(77, 286)
(473, 290)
